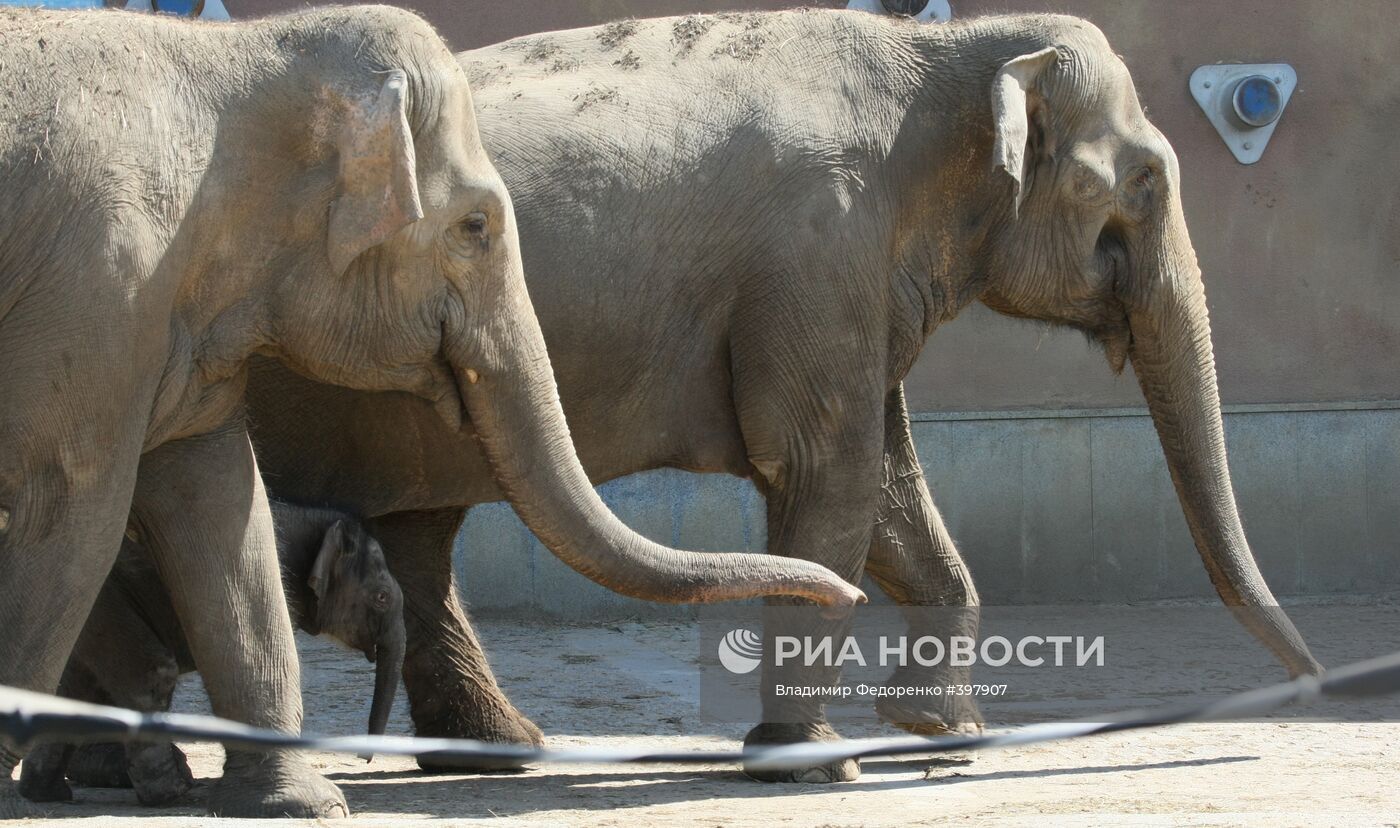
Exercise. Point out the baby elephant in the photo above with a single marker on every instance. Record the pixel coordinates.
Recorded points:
(132, 651)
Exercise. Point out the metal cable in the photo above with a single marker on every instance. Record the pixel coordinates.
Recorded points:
(27, 717)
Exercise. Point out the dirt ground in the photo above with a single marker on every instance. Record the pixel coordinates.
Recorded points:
(634, 684)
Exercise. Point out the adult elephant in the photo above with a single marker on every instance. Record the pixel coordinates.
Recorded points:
(740, 231)
(311, 187)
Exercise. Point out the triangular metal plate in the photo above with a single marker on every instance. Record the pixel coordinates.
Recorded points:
(1213, 87)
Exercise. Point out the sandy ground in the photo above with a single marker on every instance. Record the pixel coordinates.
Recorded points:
(635, 684)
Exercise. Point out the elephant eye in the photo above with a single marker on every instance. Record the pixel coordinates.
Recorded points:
(471, 235)
(473, 225)
(1136, 196)
(381, 599)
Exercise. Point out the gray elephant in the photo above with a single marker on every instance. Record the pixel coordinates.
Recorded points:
(132, 651)
(740, 230)
(176, 197)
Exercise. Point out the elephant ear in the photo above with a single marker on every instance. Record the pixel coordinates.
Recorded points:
(331, 543)
(378, 182)
(1012, 113)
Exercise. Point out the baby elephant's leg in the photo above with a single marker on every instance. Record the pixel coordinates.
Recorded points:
(45, 771)
(42, 774)
(99, 765)
(159, 771)
(134, 667)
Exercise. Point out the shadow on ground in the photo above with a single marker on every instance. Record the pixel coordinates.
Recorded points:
(540, 791)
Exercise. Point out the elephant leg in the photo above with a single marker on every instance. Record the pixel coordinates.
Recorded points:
(37, 638)
(43, 776)
(140, 673)
(61, 521)
(822, 516)
(815, 445)
(451, 689)
(44, 773)
(96, 659)
(118, 660)
(913, 560)
(99, 765)
(159, 772)
(202, 515)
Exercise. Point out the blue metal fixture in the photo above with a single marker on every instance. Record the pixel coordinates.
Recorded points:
(1244, 102)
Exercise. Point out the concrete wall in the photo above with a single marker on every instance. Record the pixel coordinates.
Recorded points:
(1052, 491)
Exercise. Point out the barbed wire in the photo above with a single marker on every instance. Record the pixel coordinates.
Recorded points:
(27, 717)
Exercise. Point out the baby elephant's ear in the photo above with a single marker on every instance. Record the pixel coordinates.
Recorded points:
(331, 544)
(378, 186)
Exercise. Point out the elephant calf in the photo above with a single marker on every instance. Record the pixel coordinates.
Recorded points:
(132, 649)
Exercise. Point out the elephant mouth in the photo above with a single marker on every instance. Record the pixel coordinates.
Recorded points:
(451, 406)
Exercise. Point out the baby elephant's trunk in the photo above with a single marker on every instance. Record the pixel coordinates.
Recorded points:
(388, 665)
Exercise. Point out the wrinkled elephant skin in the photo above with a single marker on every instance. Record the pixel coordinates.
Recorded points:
(739, 231)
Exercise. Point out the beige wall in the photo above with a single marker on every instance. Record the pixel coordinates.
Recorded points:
(1301, 251)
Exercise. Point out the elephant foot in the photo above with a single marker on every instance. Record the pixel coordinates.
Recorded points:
(905, 714)
(159, 773)
(273, 785)
(924, 722)
(846, 770)
(99, 765)
(14, 806)
(507, 727)
(929, 715)
(45, 788)
(41, 775)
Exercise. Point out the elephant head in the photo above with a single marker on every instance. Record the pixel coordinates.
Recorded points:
(415, 284)
(1091, 234)
(359, 604)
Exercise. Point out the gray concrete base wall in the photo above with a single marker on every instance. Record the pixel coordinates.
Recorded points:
(1047, 507)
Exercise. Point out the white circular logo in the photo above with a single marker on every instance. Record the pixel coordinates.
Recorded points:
(740, 651)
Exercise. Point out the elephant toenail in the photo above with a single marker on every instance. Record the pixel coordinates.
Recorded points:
(4, 519)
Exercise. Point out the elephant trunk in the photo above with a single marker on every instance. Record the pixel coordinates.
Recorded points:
(511, 397)
(388, 665)
(1172, 356)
